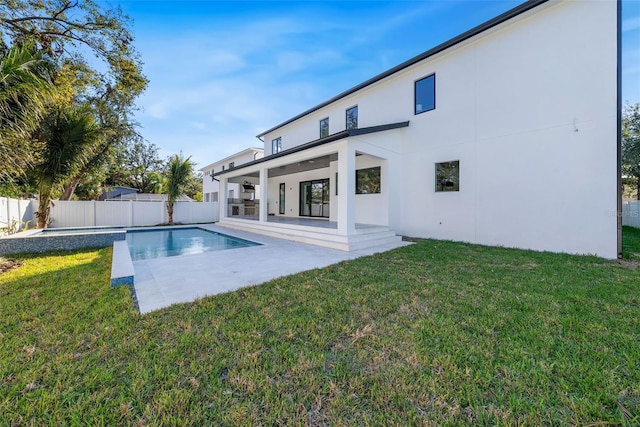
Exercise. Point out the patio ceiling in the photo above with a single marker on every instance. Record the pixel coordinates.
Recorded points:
(303, 166)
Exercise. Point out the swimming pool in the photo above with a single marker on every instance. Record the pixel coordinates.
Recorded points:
(147, 244)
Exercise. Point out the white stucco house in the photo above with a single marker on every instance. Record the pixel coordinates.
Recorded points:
(507, 134)
(235, 191)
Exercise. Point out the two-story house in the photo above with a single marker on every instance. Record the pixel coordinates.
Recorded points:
(507, 134)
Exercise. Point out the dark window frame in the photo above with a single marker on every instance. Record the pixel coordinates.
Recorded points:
(450, 183)
(377, 172)
(346, 118)
(277, 140)
(326, 189)
(281, 196)
(415, 94)
(326, 119)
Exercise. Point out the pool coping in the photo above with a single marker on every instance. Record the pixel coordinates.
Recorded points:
(122, 271)
(162, 282)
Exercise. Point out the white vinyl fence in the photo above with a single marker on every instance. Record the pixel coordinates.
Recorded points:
(631, 213)
(15, 215)
(129, 213)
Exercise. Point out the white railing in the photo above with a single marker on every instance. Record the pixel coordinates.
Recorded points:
(631, 213)
(15, 215)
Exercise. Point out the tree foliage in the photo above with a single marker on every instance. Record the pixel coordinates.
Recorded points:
(179, 172)
(25, 87)
(63, 31)
(631, 147)
(69, 138)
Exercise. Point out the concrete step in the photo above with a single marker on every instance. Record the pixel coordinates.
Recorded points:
(366, 237)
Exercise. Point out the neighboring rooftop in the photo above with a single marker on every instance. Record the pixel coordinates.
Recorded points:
(147, 197)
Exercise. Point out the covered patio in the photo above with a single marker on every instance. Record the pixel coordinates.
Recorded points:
(310, 193)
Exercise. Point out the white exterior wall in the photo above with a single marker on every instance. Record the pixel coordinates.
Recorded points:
(210, 186)
(529, 109)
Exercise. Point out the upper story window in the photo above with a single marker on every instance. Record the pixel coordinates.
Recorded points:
(232, 164)
(276, 145)
(324, 127)
(425, 94)
(352, 118)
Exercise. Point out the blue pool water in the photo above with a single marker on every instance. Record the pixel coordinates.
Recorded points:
(146, 244)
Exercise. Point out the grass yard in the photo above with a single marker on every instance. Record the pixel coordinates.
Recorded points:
(437, 333)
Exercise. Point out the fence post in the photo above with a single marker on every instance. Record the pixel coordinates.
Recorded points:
(8, 212)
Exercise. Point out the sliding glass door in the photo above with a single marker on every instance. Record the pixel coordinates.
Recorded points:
(314, 198)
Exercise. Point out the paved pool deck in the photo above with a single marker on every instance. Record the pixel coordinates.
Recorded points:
(162, 282)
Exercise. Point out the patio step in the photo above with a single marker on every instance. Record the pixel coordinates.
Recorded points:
(365, 237)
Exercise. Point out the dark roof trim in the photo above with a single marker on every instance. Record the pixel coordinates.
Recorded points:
(522, 8)
(327, 139)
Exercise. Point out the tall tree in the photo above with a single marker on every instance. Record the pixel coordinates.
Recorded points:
(631, 147)
(67, 30)
(179, 172)
(69, 137)
(25, 86)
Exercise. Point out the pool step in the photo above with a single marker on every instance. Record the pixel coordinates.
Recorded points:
(122, 272)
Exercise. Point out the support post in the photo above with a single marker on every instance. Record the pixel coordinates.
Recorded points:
(346, 189)
(264, 193)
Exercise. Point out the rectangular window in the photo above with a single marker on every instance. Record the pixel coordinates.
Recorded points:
(215, 196)
(368, 180)
(314, 198)
(232, 164)
(324, 127)
(448, 176)
(276, 145)
(281, 201)
(336, 183)
(352, 118)
(206, 197)
(425, 94)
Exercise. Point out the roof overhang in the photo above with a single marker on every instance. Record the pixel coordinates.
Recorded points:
(226, 159)
(312, 144)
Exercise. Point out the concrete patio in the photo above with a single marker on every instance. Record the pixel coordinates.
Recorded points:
(162, 282)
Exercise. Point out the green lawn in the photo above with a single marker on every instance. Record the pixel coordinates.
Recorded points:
(437, 333)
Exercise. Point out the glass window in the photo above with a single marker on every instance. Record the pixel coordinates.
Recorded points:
(215, 197)
(314, 198)
(352, 118)
(324, 127)
(281, 201)
(368, 180)
(232, 164)
(276, 145)
(448, 176)
(425, 94)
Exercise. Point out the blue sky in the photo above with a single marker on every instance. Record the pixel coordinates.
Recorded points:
(222, 72)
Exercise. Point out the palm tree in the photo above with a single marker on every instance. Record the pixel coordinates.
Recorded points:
(25, 87)
(69, 137)
(178, 174)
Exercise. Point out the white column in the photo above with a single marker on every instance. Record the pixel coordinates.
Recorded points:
(222, 198)
(264, 178)
(346, 189)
